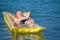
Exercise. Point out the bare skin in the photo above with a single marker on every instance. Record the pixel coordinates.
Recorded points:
(19, 16)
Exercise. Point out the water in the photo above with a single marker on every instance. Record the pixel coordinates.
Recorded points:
(44, 12)
(38, 36)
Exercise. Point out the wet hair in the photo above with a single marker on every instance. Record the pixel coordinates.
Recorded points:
(19, 11)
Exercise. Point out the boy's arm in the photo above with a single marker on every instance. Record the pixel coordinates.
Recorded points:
(28, 14)
(11, 16)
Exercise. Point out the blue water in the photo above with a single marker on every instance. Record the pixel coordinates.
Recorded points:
(44, 12)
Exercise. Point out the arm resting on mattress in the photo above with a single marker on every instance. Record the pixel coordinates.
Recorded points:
(11, 16)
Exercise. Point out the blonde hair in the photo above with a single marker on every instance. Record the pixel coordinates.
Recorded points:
(18, 12)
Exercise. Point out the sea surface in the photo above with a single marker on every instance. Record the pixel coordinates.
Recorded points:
(45, 13)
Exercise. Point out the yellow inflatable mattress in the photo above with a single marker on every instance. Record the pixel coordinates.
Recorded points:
(24, 29)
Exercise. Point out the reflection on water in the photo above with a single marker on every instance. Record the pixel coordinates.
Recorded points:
(37, 36)
(15, 36)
